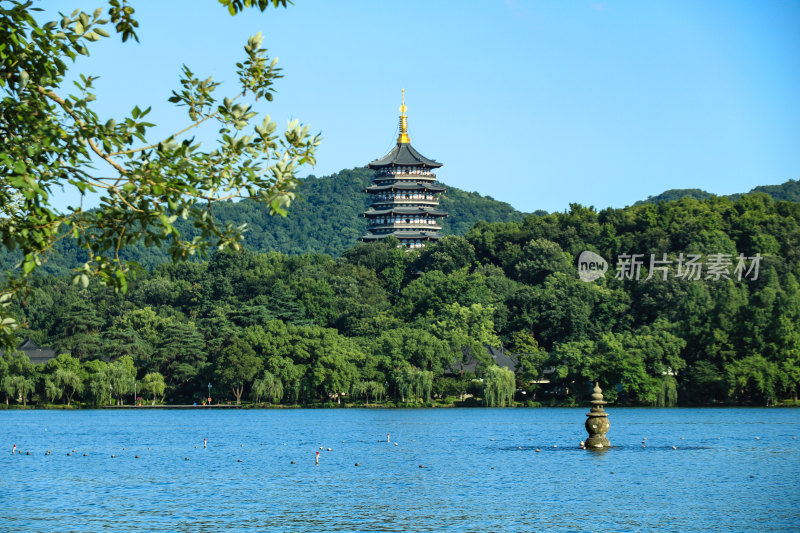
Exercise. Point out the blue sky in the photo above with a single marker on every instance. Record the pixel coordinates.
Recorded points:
(538, 104)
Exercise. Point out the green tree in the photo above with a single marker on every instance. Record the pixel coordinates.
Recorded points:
(704, 383)
(22, 386)
(237, 367)
(467, 330)
(99, 388)
(153, 384)
(268, 386)
(540, 258)
(498, 386)
(753, 379)
(122, 378)
(415, 346)
(369, 388)
(413, 383)
(51, 139)
(51, 390)
(448, 254)
(334, 367)
(385, 258)
(8, 386)
(530, 355)
(68, 382)
(790, 368)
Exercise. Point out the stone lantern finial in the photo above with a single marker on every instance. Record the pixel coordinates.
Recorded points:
(597, 422)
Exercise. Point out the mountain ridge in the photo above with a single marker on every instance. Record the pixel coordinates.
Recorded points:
(327, 218)
(788, 190)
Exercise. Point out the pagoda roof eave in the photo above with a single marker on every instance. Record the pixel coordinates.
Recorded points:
(406, 211)
(403, 154)
(406, 186)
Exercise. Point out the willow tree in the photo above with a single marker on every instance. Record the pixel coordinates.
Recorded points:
(153, 383)
(367, 388)
(23, 386)
(51, 138)
(268, 386)
(498, 386)
(413, 383)
(68, 382)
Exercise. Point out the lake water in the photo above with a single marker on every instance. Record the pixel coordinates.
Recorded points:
(733, 470)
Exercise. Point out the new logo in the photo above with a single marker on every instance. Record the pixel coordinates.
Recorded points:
(591, 266)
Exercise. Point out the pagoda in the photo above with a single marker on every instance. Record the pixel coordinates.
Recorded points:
(404, 197)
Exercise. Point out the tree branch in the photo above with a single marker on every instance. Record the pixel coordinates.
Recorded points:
(60, 101)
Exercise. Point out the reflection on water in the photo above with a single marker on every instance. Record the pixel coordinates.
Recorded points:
(445, 469)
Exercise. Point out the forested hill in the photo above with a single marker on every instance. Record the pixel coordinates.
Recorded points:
(325, 218)
(693, 323)
(789, 190)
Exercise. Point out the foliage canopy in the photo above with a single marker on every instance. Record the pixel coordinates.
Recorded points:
(51, 138)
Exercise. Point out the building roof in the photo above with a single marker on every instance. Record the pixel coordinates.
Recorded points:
(405, 186)
(407, 211)
(36, 353)
(403, 154)
(500, 357)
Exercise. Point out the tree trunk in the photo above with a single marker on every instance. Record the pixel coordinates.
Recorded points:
(237, 391)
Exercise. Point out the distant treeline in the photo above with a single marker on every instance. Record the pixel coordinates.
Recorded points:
(327, 218)
(789, 190)
(381, 323)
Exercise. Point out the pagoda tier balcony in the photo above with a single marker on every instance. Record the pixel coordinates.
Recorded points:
(420, 226)
(406, 201)
(389, 204)
(405, 172)
(413, 243)
(417, 186)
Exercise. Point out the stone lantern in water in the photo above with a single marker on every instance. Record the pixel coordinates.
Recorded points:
(597, 422)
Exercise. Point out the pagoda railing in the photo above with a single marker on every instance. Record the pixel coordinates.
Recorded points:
(422, 226)
(406, 172)
(391, 199)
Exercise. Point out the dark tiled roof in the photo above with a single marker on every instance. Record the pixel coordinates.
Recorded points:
(35, 353)
(405, 186)
(500, 357)
(407, 211)
(404, 155)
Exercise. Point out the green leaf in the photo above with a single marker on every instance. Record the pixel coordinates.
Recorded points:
(24, 78)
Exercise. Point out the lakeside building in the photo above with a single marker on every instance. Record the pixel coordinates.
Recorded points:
(405, 199)
(36, 353)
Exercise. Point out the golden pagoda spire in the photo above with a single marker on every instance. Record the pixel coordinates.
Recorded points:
(403, 138)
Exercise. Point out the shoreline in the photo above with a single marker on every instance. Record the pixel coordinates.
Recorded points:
(324, 406)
